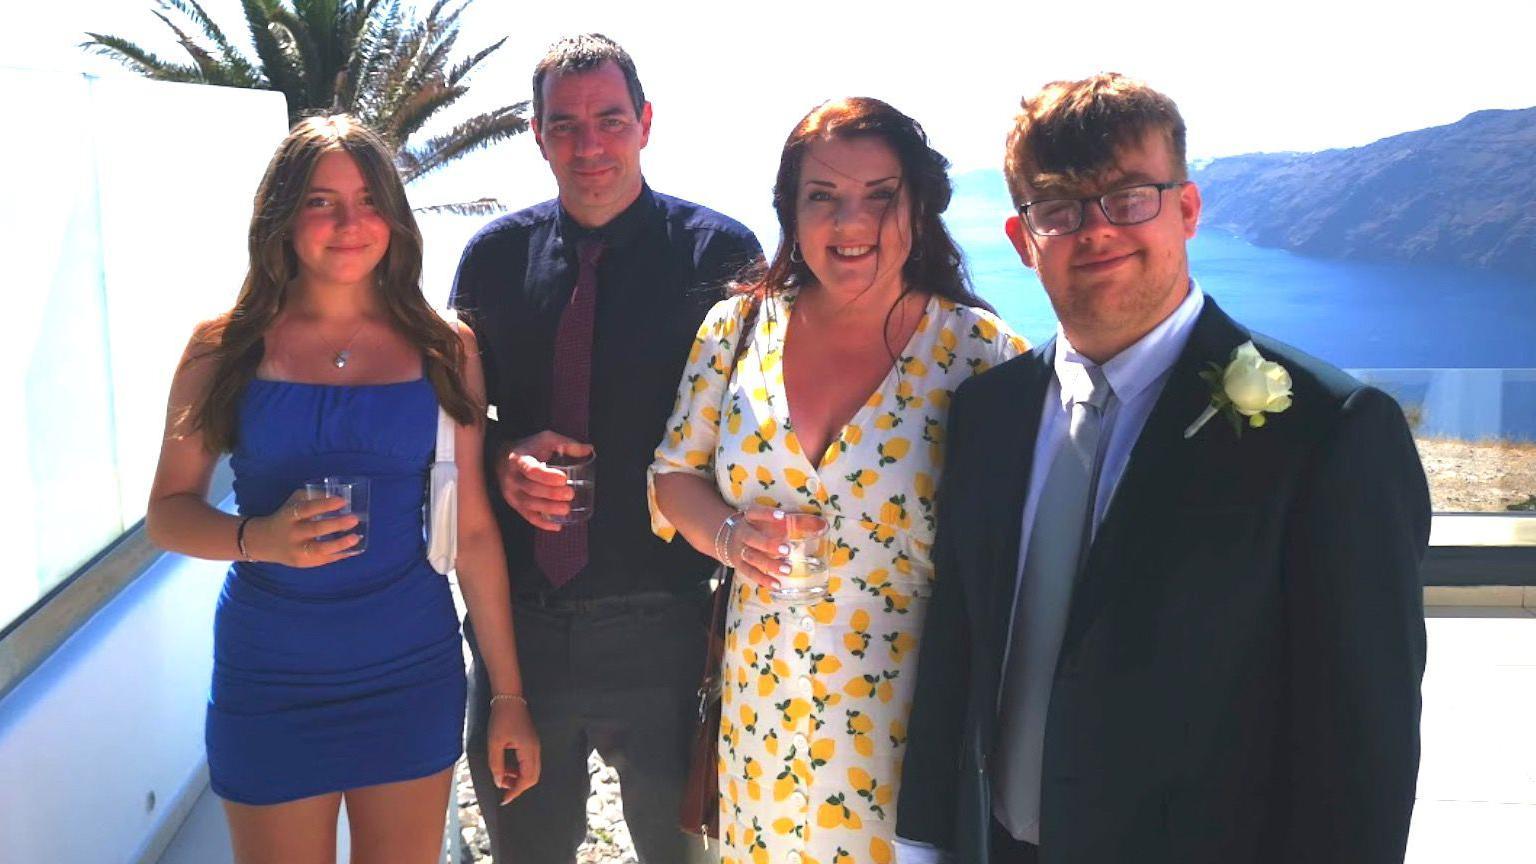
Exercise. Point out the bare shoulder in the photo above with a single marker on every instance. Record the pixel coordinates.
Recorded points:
(202, 347)
(466, 335)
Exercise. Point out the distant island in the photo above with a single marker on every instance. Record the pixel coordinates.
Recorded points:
(1462, 194)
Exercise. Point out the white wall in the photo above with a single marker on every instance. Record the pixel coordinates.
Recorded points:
(114, 716)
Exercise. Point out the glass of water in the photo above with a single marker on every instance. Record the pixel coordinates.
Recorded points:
(581, 475)
(352, 490)
(806, 535)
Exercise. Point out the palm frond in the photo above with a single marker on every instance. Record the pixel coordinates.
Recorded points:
(465, 66)
(138, 59)
(393, 82)
(194, 12)
(473, 134)
(373, 25)
(391, 67)
(204, 61)
(301, 46)
(419, 107)
(237, 64)
(275, 58)
(328, 34)
(477, 207)
(434, 55)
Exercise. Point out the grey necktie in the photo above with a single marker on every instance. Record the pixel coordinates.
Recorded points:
(1057, 543)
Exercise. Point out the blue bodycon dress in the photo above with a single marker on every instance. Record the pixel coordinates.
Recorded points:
(349, 674)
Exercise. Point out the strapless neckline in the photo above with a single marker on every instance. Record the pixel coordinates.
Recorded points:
(277, 382)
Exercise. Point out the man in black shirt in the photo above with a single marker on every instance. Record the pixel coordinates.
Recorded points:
(585, 308)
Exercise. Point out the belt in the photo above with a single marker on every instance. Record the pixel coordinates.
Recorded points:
(642, 600)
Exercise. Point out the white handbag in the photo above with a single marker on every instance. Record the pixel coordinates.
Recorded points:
(443, 500)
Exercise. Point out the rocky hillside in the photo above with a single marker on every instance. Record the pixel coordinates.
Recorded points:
(1462, 194)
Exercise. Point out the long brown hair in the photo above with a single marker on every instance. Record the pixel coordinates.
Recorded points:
(237, 337)
(934, 263)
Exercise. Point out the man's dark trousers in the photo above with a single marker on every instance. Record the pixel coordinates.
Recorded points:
(616, 675)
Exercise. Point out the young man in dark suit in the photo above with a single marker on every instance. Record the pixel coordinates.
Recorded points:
(1178, 615)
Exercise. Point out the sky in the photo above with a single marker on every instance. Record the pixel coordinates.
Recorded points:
(727, 81)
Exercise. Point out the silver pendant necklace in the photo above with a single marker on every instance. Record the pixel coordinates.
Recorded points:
(340, 357)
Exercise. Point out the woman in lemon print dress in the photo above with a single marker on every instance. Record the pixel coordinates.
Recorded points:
(856, 335)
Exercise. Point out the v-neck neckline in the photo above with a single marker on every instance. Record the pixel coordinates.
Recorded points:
(778, 389)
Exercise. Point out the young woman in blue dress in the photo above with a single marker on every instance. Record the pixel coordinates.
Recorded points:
(338, 674)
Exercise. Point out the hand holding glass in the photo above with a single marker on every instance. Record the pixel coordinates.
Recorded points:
(581, 476)
(806, 535)
(352, 490)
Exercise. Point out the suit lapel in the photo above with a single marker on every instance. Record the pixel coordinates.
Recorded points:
(1017, 425)
(1160, 461)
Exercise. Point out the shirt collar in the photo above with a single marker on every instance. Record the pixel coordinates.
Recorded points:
(616, 232)
(1138, 366)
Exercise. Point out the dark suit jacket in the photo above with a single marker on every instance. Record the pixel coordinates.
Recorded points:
(1239, 679)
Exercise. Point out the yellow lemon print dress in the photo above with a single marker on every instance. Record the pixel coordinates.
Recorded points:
(816, 697)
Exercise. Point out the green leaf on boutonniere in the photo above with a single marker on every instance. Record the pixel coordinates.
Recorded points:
(1237, 422)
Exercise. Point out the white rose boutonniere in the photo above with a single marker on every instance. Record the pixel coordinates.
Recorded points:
(1246, 390)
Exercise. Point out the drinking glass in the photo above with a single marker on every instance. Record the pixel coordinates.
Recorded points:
(581, 475)
(354, 491)
(806, 535)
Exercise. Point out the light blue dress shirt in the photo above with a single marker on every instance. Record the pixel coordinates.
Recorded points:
(1136, 375)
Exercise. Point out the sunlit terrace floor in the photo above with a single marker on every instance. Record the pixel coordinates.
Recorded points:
(1477, 780)
(1477, 777)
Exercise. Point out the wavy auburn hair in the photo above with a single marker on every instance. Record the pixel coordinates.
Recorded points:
(934, 263)
(235, 340)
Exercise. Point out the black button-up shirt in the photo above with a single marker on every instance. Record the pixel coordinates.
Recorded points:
(664, 265)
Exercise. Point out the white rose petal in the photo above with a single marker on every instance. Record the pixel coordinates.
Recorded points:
(1246, 387)
(1247, 352)
(1278, 382)
(1256, 385)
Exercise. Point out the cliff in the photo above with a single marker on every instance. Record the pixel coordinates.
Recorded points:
(1462, 194)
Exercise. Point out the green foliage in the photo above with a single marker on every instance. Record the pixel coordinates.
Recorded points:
(1528, 504)
(369, 58)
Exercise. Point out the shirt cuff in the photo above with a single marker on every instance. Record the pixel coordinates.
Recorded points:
(913, 852)
(660, 525)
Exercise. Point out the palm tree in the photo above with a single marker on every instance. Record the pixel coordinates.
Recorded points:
(369, 58)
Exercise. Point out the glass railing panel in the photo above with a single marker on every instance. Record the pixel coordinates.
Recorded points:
(173, 243)
(121, 231)
(53, 365)
(1476, 434)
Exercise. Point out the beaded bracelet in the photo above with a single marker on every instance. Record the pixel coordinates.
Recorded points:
(240, 538)
(517, 696)
(723, 537)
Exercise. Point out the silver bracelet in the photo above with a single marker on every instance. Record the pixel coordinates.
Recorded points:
(499, 696)
(723, 536)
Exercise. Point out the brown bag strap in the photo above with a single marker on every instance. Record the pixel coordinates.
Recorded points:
(709, 687)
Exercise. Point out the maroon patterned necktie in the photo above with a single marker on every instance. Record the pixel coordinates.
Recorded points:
(562, 554)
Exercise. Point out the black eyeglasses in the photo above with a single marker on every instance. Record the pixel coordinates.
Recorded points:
(1052, 217)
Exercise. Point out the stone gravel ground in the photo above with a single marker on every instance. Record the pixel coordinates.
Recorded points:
(1478, 476)
(607, 836)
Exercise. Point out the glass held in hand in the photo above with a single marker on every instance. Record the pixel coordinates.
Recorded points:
(806, 535)
(352, 490)
(581, 476)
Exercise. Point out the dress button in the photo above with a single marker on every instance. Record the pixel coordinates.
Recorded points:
(807, 623)
(793, 857)
(800, 800)
(801, 742)
(806, 686)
